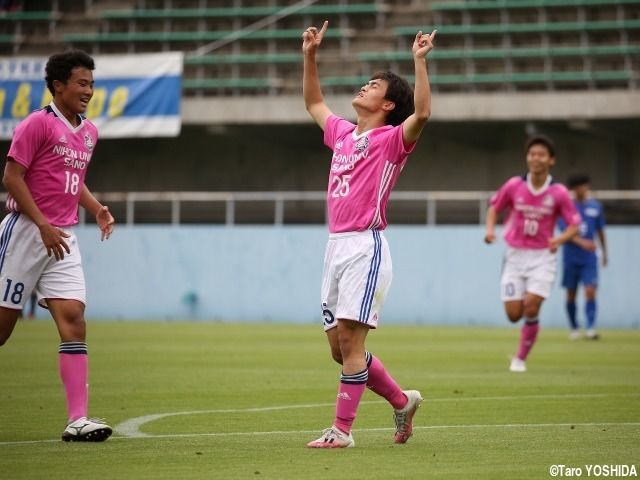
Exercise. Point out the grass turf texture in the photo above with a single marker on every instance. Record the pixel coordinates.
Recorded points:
(578, 404)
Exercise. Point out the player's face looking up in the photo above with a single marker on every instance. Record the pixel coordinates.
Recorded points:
(371, 96)
(539, 159)
(75, 93)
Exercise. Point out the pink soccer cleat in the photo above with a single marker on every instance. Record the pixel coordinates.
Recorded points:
(404, 416)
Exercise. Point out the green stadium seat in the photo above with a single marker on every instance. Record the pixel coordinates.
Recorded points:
(504, 28)
(239, 83)
(248, 58)
(237, 11)
(492, 78)
(205, 36)
(7, 38)
(518, 4)
(490, 53)
(28, 16)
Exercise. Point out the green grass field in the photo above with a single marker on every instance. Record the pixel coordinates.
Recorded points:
(579, 404)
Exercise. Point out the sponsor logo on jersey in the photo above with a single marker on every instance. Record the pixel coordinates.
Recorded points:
(63, 139)
(338, 145)
(548, 201)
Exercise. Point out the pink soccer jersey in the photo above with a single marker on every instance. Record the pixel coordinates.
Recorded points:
(56, 156)
(364, 170)
(533, 214)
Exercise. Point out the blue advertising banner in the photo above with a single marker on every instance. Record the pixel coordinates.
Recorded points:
(134, 95)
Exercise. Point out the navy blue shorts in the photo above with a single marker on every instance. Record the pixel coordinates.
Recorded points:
(576, 273)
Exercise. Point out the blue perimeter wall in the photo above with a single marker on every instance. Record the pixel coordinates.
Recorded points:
(442, 275)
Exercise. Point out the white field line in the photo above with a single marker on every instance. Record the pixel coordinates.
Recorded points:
(378, 429)
(131, 428)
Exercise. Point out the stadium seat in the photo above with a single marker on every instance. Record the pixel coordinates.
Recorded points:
(513, 28)
(518, 4)
(174, 13)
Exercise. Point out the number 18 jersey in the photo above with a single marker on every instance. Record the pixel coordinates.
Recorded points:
(364, 170)
(56, 156)
(533, 213)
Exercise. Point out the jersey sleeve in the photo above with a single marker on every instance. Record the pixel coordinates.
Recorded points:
(503, 198)
(334, 129)
(27, 138)
(567, 208)
(398, 152)
(600, 222)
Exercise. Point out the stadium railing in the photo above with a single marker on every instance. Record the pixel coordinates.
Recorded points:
(430, 199)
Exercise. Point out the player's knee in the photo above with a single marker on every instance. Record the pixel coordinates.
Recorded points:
(514, 316)
(337, 356)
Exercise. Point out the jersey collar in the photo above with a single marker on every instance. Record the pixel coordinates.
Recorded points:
(64, 120)
(542, 189)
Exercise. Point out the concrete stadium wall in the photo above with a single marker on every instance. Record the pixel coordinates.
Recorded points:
(450, 156)
(442, 275)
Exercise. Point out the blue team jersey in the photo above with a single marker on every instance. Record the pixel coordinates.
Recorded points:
(592, 220)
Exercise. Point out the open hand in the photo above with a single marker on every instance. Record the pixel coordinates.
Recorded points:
(105, 222)
(53, 239)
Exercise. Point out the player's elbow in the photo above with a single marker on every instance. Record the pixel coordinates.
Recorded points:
(6, 180)
(423, 115)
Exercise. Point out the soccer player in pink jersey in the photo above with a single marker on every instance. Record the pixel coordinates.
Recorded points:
(44, 175)
(534, 203)
(367, 160)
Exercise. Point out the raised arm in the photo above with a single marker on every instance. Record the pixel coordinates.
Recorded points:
(412, 126)
(313, 100)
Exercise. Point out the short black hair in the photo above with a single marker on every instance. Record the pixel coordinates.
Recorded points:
(577, 180)
(399, 92)
(60, 65)
(540, 140)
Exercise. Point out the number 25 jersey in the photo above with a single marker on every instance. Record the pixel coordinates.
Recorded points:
(364, 170)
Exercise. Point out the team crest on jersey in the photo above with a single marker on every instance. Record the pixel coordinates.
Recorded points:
(362, 144)
(88, 141)
(338, 145)
(548, 201)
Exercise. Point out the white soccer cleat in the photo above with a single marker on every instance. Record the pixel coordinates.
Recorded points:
(404, 417)
(575, 335)
(333, 438)
(87, 430)
(517, 365)
(592, 334)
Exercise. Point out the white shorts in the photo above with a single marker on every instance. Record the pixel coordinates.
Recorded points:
(527, 270)
(356, 277)
(25, 266)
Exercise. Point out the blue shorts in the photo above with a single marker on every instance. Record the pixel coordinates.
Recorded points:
(576, 273)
